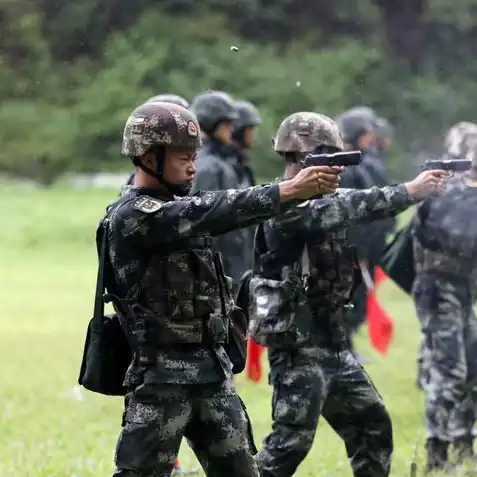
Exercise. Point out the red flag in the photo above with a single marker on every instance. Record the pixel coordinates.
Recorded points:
(254, 365)
(380, 324)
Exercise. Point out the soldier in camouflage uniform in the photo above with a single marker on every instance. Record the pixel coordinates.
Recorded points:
(170, 293)
(218, 168)
(159, 98)
(312, 369)
(444, 292)
(360, 129)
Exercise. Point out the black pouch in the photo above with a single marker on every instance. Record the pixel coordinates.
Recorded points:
(107, 353)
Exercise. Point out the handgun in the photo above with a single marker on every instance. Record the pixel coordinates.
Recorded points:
(347, 158)
(450, 165)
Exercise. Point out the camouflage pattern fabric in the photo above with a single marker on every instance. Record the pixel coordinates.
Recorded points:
(444, 308)
(218, 168)
(159, 124)
(322, 374)
(463, 417)
(322, 224)
(444, 292)
(313, 381)
(303, 132)
(156, 417)
(169, 98)
(142, 253)
(162, 272)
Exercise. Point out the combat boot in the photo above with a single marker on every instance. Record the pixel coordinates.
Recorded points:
(437, 455)
(463, 448)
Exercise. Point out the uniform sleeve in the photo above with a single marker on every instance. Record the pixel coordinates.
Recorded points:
(348, 206)
(211, 213)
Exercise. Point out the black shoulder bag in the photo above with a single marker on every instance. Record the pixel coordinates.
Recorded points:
(107, 353)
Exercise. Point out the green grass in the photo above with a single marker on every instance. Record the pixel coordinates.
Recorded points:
(47, 282)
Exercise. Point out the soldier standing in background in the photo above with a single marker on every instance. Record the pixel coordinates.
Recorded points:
(444, 293)
(217, 168)
(307, 275)
(360, 129)
(243, 135)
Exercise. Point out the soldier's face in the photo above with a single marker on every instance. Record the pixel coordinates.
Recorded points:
(224, 132)
(179, 166)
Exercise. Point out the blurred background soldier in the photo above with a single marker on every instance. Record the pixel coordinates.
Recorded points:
(444, 293)
(360, 130)
(243, 135)
(218, 168)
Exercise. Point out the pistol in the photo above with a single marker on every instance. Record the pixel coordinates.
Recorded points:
(449, 165)
(347, 158)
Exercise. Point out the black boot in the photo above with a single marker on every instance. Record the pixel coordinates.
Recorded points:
(463, 448)
(437, 458)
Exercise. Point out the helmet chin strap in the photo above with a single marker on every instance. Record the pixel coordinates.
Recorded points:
(180, 190)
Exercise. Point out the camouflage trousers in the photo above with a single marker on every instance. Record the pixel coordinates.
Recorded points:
(312, 381)
(448, 358)
(463, 417)
(158, 416)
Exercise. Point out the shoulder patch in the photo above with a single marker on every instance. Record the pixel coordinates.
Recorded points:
(147, 204)
(303, 204)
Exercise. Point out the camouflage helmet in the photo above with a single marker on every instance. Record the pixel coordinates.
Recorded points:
(213, 107)
(354, 124)
(305, 131)
(159, 124)
(248, 115)
(169, 98)
(461, 141)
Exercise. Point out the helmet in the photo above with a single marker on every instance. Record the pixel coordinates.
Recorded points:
(461, 141)
(169, 98)
(159, 124)
(385, 130)
(213, 107)
(354, 124)
(364, 111)
(305, 131)
(248, 115)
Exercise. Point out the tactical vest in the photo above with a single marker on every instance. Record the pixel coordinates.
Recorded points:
(179, 299)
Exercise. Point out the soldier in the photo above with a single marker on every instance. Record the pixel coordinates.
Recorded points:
(311, 368)
(243, 135)
(385, 136)
(169, 290)
(360, 129)
(444, 292)
(164, 98)
(218, 168)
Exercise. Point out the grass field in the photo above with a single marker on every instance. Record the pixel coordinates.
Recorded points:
(47, 278)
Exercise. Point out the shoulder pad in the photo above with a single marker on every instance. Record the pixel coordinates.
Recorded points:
(147, 204)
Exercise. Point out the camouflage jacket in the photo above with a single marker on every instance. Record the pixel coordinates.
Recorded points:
(163, 272)
(441, 263)
(322, 224)
(217, 170)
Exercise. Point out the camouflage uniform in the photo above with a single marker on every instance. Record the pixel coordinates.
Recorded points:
(164, 281)
(318, 374)
(369, 240)
(444, 294)
(217, 169)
